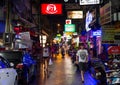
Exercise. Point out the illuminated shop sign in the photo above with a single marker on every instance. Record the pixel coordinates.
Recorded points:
(89, 18)
(114, 50)
(69, 27)
(75, 14)
(68, 21)
(89, 2)
(97, 33)
(44, 38)
(51, 9)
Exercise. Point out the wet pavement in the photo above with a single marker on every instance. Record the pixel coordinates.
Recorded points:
(62, 72)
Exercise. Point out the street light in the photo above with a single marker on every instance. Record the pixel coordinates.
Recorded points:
(58, 26)
(65, 0)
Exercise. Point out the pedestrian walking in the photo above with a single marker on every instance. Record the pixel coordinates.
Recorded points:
(46, 57)
(82, 58)
(52, 50)
(63, 52)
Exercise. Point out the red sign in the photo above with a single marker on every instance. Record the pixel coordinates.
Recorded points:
(51, 9)
(114, 50)
(68, 21)
(18, 29)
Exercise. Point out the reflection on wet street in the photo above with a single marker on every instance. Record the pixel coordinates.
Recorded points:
(62, 72)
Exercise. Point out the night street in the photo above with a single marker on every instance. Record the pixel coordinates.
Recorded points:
(62, 72)
(59, 42)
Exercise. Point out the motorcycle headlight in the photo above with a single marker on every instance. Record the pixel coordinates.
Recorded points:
(98, 73)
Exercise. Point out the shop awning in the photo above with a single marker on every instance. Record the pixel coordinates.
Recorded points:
(45, 33)
(114, 50)
(27, 23)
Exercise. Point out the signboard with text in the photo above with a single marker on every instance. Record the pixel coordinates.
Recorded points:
(51, 9)
(72, 6)
(75, 14)
(69, 27)
(108, 36)
(114, 50)
(89, 2)
(97, 33)
(105, 14)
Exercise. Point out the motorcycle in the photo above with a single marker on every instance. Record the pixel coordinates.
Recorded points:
(113, 71)
(97, 71)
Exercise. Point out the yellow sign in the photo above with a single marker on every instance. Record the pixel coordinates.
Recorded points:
(69, 33)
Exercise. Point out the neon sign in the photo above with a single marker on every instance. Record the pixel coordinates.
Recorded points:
(69, 27)
(89, 19)
(97, 33)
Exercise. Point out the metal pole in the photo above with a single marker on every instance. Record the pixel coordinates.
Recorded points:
(40, 30)
(7, 29)
(40, 27)
(8, 26)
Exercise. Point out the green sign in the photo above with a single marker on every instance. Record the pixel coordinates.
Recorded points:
(69, 27)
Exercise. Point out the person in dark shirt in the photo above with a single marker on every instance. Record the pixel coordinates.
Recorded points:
(63, 52)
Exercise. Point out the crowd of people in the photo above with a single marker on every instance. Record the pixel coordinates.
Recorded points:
(80, 56)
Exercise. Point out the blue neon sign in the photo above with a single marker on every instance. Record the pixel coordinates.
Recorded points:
(97, 33)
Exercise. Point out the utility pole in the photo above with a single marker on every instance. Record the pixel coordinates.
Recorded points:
(97, 23)
(8, 28)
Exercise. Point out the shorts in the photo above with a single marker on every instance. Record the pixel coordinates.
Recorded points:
(82, 66)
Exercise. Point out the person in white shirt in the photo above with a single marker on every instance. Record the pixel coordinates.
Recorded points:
(82, 58)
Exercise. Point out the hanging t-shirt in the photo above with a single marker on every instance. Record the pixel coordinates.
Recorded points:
(83, 54)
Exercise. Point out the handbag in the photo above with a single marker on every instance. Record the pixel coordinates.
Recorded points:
(50, 62)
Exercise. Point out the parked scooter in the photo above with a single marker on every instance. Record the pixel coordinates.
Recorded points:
(97, 71)
(113, 71)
